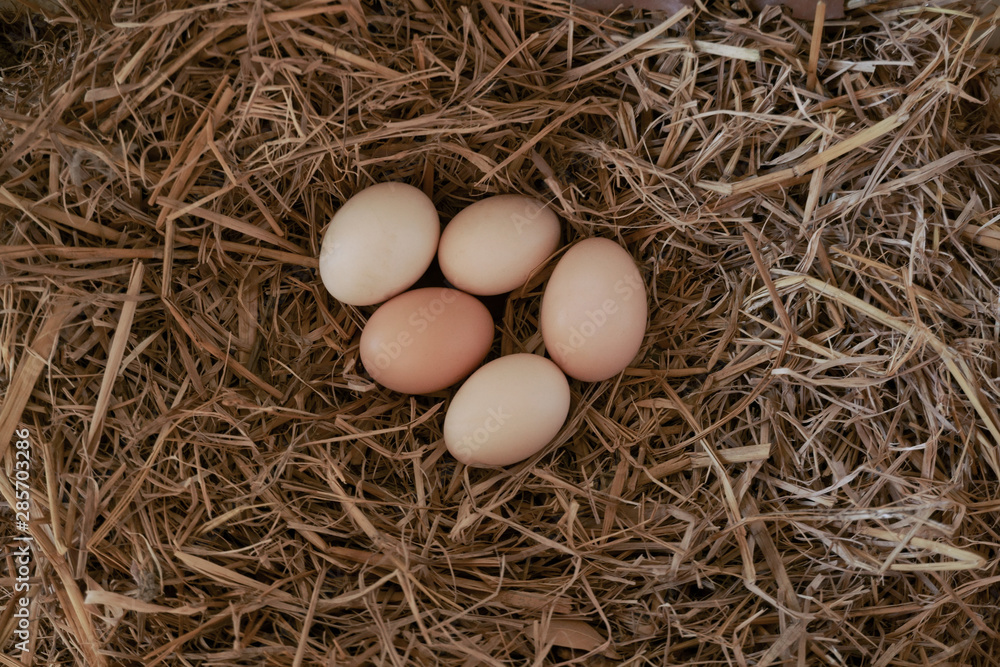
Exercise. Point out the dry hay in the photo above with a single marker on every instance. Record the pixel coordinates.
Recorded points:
(801, 467)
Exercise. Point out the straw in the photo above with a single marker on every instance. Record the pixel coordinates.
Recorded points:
(800, 467)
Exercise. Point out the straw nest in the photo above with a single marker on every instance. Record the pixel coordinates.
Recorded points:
(800, 468)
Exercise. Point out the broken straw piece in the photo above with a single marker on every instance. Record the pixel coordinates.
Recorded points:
(669, 6)
(803, 9)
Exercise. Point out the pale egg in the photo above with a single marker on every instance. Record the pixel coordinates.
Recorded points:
(594, 313)
(506, 411)
(378, 244)
(493, 245)
(426, 340)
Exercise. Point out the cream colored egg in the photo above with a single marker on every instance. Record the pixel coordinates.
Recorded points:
(594, 314)
(493, 245)
(426, 340)
(378, 244)
(506, 411)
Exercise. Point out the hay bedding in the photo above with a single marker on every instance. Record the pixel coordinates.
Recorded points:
(801, 468)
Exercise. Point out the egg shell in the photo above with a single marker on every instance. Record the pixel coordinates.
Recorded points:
(594, 313)
(506, 411)
(426, 339)
(493, 245)
(378, 244)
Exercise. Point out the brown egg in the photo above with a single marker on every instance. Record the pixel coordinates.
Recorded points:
(426, 340)
(507, 411)
(594, 312)
(493, 245)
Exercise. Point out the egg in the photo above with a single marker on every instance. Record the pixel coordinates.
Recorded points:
(506, 411)
(594, 314)
(425, 340)
(493, 245)
(378, 244)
